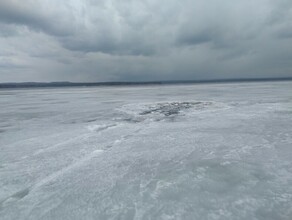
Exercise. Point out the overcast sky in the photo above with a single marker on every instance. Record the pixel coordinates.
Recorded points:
(138, 40)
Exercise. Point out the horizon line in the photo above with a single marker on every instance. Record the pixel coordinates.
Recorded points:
(116, 83)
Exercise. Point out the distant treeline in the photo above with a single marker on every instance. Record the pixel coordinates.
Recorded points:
(80, 84)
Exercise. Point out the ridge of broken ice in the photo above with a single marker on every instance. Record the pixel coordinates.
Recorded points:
(157, 111)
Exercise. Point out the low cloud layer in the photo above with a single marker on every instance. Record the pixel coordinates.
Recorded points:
(112, 40)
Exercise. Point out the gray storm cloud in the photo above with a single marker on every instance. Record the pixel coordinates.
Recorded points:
(128, 40)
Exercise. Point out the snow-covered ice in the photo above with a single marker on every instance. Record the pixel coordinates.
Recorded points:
(206, 151)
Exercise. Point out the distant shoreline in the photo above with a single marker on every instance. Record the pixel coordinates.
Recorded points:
(95, 84)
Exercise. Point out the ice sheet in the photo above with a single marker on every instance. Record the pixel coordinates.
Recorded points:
(207, 151)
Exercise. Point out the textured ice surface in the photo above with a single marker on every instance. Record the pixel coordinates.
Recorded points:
(155, 152)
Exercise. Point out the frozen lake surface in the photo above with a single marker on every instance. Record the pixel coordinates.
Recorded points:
(208, 151)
